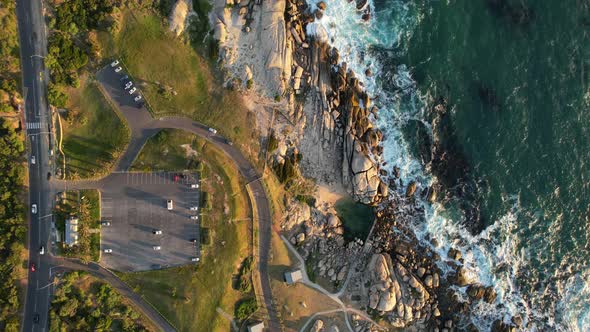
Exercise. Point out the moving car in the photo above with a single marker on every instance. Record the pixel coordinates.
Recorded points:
(34, 208)
(193, 240)
(169, 204)
(138, 98)
(195, 217)
(157, 231)
(105, 223)
(108, 251)
(42, 250)
(128, 85)
(118, 69)
(32, 267)
(114, 63)
(195, 259)
(33, 161)
(194, 185)
(132, 90)
(36, 319)
(48, 176)
(213, 131)
(157, 247)
(194, 208)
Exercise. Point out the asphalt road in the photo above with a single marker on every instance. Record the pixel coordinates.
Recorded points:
(33, 46)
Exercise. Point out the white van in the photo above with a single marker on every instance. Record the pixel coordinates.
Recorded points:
(169, 204)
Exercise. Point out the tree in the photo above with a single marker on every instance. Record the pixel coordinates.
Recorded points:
(246, 308)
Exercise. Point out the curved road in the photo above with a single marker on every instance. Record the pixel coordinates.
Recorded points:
(143, 126)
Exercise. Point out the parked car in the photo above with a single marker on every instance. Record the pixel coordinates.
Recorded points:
(118, 69)
(132, 90)
(157, 247)
(157, 231)
(194, 185)
(195, 259)
(42, 250)
(33, 161)
(105, 223)
(169, 204)
(195, 217)
(108, 251)
(194, 208)
(34, 208)
(138, 98)
(114, 63)
(126, 77)
(128, 85)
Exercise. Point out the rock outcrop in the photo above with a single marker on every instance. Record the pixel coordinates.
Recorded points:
(179, 15)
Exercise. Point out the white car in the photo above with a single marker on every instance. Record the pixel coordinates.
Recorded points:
(42, 250)
(194, 208)
(194, 185)
(118, 69)
(213, 131)
(108, 251)
(105, 223)
(157, 231)
(34, 208)
(195, 259)
(114, 63)
(132, 91)
(195, 217)
(33, 161)
(157, 247)
(138, 98)
(169, 204)
(128, 85)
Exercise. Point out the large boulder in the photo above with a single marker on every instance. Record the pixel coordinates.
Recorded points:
(177, 19)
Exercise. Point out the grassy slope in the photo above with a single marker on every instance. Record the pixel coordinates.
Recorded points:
(158, 59)
(95, 137)
(186, 296)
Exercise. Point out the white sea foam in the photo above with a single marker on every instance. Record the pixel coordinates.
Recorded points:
(496, 256)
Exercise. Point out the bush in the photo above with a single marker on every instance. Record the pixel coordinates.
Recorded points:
(273, 142)
(249, 84)
(246, 308)
(56, 96)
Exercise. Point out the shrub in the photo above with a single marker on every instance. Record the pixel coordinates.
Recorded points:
(246, 308)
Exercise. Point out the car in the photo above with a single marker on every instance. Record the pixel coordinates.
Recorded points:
(132, 91)
(34, 208)
(118, 69)
(108, 251)
(194, 185)
(114, 63)
(138, 98)
(213, 131)
(105, 223)
(176, 177)
(126, 77)
(33, 161)
(194, 208)
(157, 247)
(169, 204)
(48, 176)
(157, 231)
(193, 240)
(32, 267)
(195, 217)
(195, 259)
(36, 319)
(42, 250)
(128, 85)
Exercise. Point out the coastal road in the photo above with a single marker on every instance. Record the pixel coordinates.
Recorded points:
(33, 47)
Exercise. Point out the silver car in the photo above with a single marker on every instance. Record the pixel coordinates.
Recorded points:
(132, 91)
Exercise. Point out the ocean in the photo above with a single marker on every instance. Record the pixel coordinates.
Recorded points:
(514, 78)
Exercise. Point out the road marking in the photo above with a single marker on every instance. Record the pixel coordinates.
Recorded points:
(33, 125)
(45, 216)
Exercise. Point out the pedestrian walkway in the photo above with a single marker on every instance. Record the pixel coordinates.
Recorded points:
(33, 125)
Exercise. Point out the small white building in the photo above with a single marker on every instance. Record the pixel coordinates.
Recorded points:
(259, 327)
(71, 231)
(292, 277)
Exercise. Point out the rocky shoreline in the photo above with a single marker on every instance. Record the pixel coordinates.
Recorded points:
(323, 120)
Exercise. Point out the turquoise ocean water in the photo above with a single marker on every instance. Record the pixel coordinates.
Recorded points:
(515, 77)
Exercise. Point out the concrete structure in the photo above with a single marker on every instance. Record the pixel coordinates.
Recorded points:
(292, 277)
(259, 327)
(71, 231)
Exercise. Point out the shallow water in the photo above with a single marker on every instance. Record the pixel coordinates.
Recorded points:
(515, 75)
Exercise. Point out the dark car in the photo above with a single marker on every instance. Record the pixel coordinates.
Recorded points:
(36, 319)
(48, 176)
(193, 241)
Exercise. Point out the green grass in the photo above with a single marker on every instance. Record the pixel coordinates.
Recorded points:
(356, 217)
(94, 136)
(189, 296)
(176, 80)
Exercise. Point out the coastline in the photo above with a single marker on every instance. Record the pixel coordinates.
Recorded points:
(324, 122)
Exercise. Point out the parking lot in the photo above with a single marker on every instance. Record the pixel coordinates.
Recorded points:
(135, 206)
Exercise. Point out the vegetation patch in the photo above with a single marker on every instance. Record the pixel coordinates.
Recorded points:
(83, 303)
(189, 296)
(94, 136)
(84, 205)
